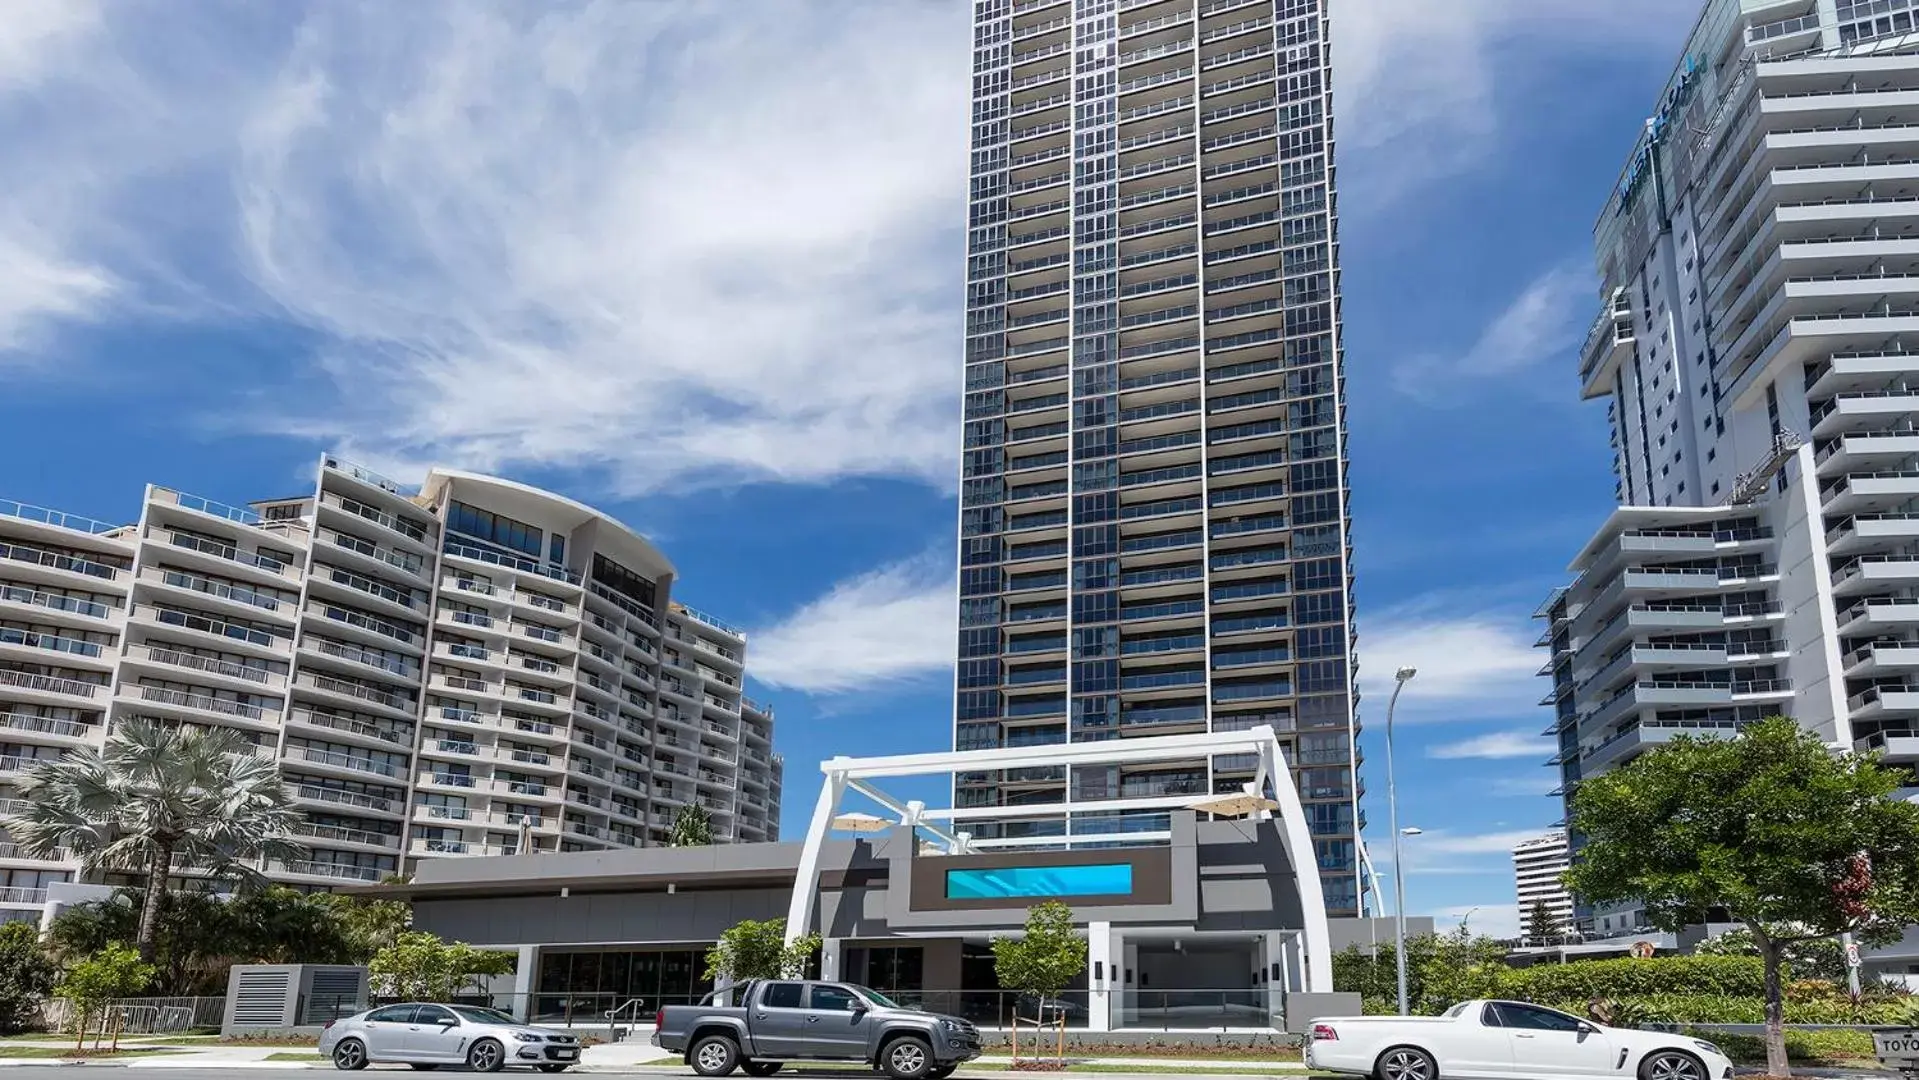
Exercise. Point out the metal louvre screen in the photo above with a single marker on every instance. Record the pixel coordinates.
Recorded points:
(259, 997)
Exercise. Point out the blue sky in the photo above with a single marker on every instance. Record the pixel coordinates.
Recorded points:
(698, 263)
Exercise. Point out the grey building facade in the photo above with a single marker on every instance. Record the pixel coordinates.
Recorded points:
(1153, 523)
(1202, 936)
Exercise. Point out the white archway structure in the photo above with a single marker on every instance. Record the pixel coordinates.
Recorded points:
(1272, 779)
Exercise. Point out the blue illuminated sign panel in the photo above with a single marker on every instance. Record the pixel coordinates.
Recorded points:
(1003, 883)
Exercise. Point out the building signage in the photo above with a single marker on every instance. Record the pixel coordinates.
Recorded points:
(1656, 130)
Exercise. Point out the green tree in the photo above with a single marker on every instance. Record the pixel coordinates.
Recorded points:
(755, 949)
(421, 967)
(1050, 954)
(112, 973)
(692, 827)
(1818, 958)
(1769, 827)
(198, 936)
(27, 975)
(368, 925)
(1456, 967)
(1542, 925)
(156, 794)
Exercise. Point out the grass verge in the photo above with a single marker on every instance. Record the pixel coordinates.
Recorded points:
(63, 1052)
(294, 1055)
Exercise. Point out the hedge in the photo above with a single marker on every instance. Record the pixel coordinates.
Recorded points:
(1731, 976)
(1806, 1047)
(1724, 1009)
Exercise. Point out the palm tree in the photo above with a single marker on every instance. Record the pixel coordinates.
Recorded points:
(158, 792)
(692, 827)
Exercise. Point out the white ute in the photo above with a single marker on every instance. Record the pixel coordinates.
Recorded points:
(1506, 1039)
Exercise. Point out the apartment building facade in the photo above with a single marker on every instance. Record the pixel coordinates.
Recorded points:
(470, 667)
(1153, 523)
(1756, 349)
(1538, 865)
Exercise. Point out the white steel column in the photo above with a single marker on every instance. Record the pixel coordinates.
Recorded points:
(831, 950)
(1099, 976)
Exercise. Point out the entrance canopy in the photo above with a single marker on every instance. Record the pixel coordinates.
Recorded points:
(1269, 796)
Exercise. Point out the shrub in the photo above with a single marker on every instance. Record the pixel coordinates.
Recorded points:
(1808, 1047)
(1736, 976)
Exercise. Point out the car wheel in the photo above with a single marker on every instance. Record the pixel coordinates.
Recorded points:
(423, 1066)
(761, 1068)
(1406, 1063)
(715, 1055)
(349, 1055)
(1671, 1065)
(487, 1055)
(553, 1068)
(907, 1058)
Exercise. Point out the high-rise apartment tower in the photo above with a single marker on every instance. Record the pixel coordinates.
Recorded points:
(1153, 534)
(1538, 865)
(472, 666)
(1758, 350)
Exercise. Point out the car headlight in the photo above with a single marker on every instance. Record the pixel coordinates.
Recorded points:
(1708, 1047)
(949, 1026)
(528, 1036)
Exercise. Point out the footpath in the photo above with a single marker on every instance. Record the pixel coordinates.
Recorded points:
(642, 1059)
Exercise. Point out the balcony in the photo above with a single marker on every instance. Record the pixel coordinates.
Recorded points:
(56, 566)
(328, 870)
(221, 557)
(18, 599)
(1869, 573)
(195, 703)
(255, 675)
(351, 763)
(34, 724)
(320, 795)
(1878, 615)
(1897, 745)
(1630, 741)
(1886, 699)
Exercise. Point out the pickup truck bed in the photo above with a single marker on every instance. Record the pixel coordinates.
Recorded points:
(1505, 1040)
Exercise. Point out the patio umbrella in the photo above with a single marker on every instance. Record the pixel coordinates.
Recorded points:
(1233, 804)
(858, 822)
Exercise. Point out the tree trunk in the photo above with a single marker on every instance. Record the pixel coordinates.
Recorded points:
(1775, 1007)
(158, 867)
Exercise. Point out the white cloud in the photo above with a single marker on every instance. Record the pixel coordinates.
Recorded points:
(1497, 746)
(661, 242)
(1472, 665)
(1440, 842)
(1492, 920)
(1427, 83)
(884, 626)
(35, 289)
(657, 241)
(1521, 787)
(1544, 322)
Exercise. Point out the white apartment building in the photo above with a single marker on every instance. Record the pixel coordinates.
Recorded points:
(455, 669)
(1153, 523)
(1758, 350)
(1537, 866)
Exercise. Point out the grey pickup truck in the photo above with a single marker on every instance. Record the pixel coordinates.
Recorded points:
(796, 1021)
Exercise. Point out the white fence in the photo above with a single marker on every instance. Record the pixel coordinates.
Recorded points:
(139, 1016)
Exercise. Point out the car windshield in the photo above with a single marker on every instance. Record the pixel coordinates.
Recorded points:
(878, 998)
(482, 1016)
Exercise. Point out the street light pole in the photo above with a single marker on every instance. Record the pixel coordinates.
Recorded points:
(1400, 678)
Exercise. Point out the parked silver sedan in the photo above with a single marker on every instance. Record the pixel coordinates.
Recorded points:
(427, 1036)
